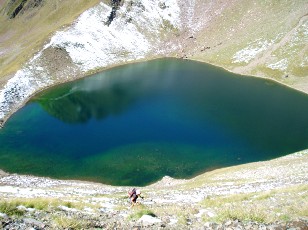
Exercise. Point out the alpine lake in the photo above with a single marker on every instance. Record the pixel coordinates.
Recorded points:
(134, 124)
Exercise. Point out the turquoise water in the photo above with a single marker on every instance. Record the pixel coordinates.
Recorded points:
(133, 124)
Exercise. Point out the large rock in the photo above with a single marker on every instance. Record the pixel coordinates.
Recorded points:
(2, 173)
(148, 220)
(3, 216)
(34, 223)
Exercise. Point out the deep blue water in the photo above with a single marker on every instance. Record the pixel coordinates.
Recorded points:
(133, 124)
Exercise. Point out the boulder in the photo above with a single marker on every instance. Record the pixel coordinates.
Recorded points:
(148, 220)
(33, 222)
(3, 216)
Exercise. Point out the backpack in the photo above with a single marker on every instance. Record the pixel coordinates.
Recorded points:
(132, 192)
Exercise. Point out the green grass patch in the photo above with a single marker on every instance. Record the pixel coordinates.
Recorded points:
(244, 213)
(275, 205)
(77, 205)
(63, 222)
(37, 203)
(219, 201)
(139, 212)
(11, 208)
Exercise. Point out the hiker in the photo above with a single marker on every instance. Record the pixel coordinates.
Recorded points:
(133, 195)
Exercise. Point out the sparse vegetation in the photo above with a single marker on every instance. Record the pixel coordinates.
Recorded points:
(64, 222)
(244, 213)
(109, 210)
(40, 24)
(139, 212)
(231, 29)
(219, 201)
(11, 208)
(277, 205)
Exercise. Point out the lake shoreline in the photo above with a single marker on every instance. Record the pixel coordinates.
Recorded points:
(102, 205)
(165, 181)
(161, 117)
(92, 72)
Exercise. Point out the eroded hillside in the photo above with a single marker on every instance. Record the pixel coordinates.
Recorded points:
(48, 42)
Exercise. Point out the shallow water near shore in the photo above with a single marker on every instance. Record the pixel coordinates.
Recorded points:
(134, 124)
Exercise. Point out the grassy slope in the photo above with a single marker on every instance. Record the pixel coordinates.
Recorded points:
(245, 23)
(284, 202)
(276, 204)
(232, 27)
(23, 36)
(242, 23)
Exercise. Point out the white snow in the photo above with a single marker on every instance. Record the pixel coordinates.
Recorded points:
(300, 36)
(250, 52)
(304, 62)
(280, 65)
(91, 44)
(20, 87)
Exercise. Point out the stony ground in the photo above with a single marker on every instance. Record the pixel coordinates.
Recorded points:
(263, 195)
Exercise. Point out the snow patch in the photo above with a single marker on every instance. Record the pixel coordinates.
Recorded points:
(280, 65)
(91, 43)
(304, 63)
(301, 35)
(250, 52)
(134, 33)
(21, 86)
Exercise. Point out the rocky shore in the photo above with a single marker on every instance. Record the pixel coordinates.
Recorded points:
(262, 195)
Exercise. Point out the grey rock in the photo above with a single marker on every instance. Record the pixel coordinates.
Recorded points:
(162, 5)
(34, 222)
(228, 223)
(21, 208)
(274, 227)
(208, 225)
(3, 216)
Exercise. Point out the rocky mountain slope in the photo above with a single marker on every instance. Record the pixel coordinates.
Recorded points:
(45, 43)
(262, 195)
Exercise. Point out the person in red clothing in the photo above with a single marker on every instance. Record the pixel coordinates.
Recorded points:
(133, 195)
